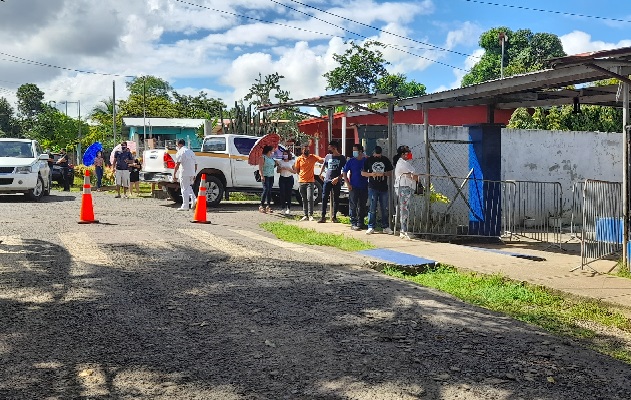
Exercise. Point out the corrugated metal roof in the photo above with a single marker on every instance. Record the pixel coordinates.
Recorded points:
(165, 122)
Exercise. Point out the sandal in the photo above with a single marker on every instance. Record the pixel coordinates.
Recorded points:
(261, 209)
(268, 210)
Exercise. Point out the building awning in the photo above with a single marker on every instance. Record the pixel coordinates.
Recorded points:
(332, 101)
(558, 85)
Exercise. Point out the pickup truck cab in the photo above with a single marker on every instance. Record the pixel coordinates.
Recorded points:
(23, 168)
(224, 160)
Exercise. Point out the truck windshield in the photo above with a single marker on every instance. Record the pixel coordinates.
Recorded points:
(16, 149)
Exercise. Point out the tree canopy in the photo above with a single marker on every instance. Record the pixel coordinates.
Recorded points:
(30, 99)
(150, 86)
(359, 69)
(524, 51)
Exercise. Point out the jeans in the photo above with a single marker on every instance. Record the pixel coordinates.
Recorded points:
(286, 186)
(267, 190)
(327, 188)
(357, 199)
(99, 176)
(381, 197)
(306, 193)
(405, 194)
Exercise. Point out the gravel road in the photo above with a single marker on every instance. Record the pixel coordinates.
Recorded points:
(147, 305)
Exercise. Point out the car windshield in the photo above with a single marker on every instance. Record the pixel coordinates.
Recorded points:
(16, 149)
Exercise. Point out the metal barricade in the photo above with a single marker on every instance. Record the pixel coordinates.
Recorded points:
(456, 206)
(576, 210)
(601, 233)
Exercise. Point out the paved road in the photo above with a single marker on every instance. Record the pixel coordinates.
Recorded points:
(148, 305)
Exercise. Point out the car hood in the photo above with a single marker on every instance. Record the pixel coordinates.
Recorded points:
(16, 162)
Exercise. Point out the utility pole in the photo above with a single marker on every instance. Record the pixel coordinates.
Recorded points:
(503, 40)
(144, 112)
(79, 144)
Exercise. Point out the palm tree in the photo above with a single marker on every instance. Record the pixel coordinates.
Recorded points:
(102, 112)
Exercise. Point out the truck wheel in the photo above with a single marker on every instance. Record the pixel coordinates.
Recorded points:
(176, 195)
(214, 191)
(36, 193)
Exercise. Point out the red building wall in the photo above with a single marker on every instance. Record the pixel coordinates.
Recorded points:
(437, 116)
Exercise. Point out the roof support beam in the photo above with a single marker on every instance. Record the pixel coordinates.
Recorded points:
(610, 73)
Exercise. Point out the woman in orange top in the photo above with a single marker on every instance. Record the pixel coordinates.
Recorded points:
(305, 165)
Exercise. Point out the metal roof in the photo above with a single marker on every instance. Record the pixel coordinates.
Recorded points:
(165, 122)
(333, 100)
(549, 87)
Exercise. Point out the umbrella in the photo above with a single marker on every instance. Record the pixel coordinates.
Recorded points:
(130, 145)
(271, 139)
(90, 153)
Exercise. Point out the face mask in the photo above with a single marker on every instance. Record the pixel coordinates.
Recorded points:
(285, 157)
(409, 157)
(355, 153)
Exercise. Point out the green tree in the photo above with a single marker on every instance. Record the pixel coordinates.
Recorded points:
(7, 120)
(102, 112)
(398, 86)
(360, 69)
(154, 106)
(260, 92)
(200, 106)
(29, 100)
(150, 86)
(524, 51)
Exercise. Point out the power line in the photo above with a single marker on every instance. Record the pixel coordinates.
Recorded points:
(365, 37)
(306, 30)
(549, 11)
(22, 60)
(376, 28)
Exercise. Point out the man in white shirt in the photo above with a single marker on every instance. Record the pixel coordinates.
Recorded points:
(186, 165)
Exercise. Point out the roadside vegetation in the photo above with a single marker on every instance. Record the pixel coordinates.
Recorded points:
(592, 323)
(295, 234)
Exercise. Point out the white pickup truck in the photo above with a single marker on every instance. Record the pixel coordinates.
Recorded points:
(224, 160)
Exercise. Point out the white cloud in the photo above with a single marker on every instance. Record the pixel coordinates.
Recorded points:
(578, 42)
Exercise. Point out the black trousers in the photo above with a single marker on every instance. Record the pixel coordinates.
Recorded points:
(327, 188)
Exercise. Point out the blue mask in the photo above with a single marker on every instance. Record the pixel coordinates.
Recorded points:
(355, 153)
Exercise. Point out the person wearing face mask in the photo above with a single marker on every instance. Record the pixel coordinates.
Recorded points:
(405, 180)
(286, 180)
(332, 168)
(357, 186)
(377, 169)
(306, 178)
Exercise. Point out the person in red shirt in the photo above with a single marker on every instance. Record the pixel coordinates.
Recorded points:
(305, 165)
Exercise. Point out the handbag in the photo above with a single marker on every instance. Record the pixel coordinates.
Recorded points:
(420, 189)
(257, 175)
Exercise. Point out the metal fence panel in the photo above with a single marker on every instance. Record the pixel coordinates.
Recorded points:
(601, 234)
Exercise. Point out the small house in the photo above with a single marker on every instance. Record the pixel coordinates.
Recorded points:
(165, 132)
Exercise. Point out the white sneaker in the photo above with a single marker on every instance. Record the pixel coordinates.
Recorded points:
(304, 218)
(311, 218)
(405, 236)
(287, 211)
(370, 231)
(182, 209)
(387, 231)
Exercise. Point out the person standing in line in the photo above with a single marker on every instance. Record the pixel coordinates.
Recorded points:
(98, 169)
(186, 165)
(377, 168)
(357, 185)
(333, 164)
(305, 165)
(286, 180)
(266, 171)
(63, 162)
(122, 159)
(404, 184)
(134, 175)
(396, 157)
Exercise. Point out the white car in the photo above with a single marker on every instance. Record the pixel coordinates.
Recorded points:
(23, 168)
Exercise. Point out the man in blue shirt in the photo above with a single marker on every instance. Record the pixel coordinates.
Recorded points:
(357, 188)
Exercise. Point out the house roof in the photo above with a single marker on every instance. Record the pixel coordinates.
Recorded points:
(165, 122)
(549, 87)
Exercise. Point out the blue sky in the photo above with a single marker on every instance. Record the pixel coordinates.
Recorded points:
(210, 45)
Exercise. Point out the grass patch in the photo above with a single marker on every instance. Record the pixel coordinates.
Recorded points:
(295, 234)
(239, 196)
(621, 271)
(536, 305)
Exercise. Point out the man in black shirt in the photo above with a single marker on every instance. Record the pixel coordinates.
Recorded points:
(333, 164)
(63, 162)
(378, 168)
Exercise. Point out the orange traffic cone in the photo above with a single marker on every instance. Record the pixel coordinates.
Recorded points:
(200, 208)
(87, 212)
